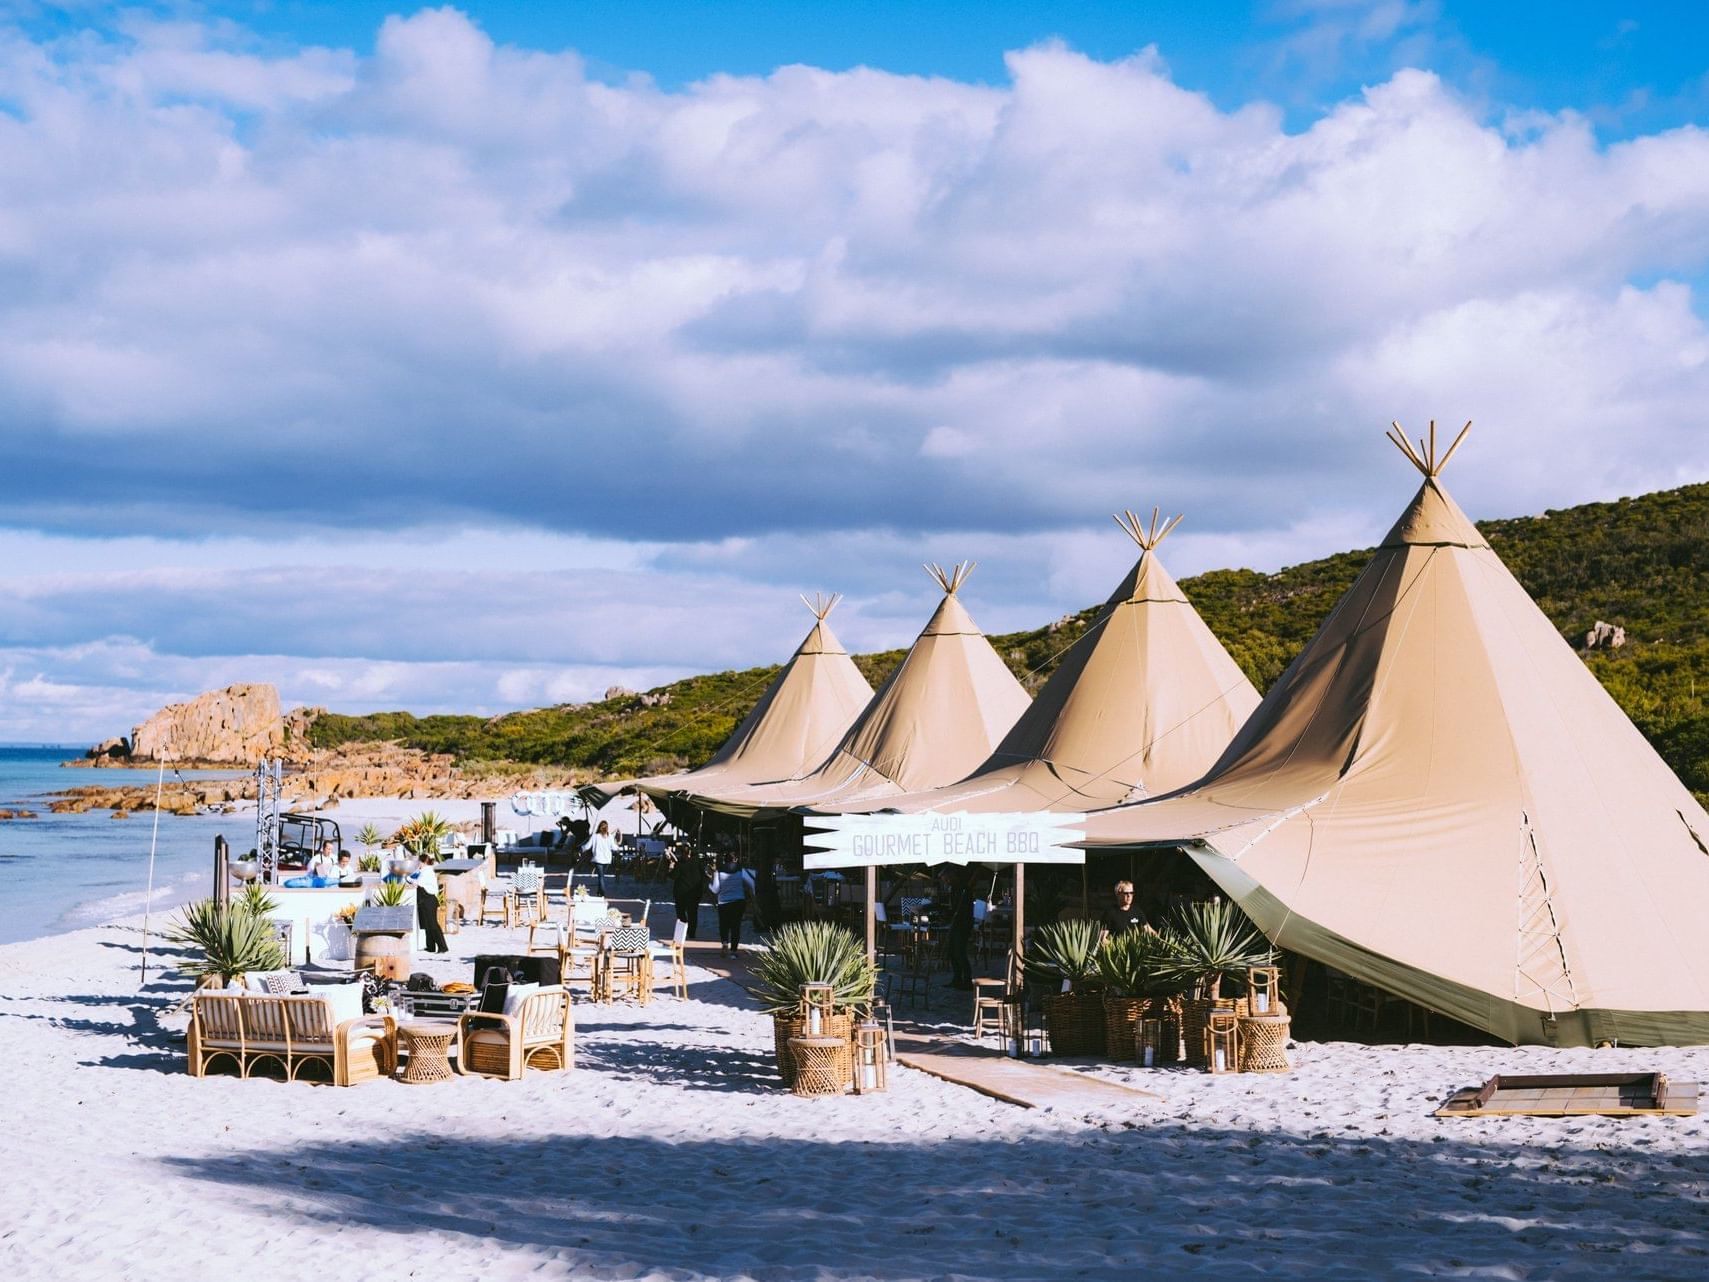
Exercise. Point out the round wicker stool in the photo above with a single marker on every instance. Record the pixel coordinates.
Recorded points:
(821, 1065)
(1263, 1044)
(428, 1044)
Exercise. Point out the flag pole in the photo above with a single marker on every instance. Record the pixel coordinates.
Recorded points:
(153, 842)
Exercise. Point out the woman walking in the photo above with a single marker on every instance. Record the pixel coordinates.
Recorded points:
(688, 886)
(604, 848)
(731, 887)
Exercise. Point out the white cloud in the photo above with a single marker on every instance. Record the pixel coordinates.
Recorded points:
(475, 361)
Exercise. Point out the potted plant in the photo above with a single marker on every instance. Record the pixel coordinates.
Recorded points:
(1215, 941)
(1062, 958)
(370, 836)
(233, 942)
(1136, 967)
(392, 894)
(811, 952)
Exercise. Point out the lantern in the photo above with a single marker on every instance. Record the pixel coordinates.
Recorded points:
(1222, 1042)
(1148, 1043)
(869, 1072)
(1264, 990)
(817, 1003)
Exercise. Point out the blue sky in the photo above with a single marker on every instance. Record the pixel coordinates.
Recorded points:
(1627, 66)
(475, 358)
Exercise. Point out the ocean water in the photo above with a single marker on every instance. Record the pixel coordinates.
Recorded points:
(64, 872)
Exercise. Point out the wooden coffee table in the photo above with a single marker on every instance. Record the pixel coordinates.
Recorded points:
(427, 1042)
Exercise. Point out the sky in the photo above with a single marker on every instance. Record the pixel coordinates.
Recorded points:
(470, 359)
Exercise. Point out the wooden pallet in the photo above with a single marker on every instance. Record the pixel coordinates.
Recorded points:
(1575, 1095)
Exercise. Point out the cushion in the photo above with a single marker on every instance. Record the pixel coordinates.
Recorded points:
(257, 981)
(280, 983)
(344, 1001)
(518, 994)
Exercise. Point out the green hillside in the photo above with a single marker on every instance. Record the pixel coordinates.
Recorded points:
(1641, 563)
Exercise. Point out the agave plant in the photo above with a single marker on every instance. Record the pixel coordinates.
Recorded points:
(812, 952)
(423, 834)
(1215, 941)
(368, 863)
(1064, 951)
(255, 900)
(1141, 963)
(370, 836)
(233, 941)
(393, 894)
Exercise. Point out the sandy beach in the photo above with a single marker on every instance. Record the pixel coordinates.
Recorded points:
(671, 1152)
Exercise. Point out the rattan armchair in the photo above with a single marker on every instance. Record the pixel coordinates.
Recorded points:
(540, 1034)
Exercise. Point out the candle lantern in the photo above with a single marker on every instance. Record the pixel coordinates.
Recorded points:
(1264, 991)
(1222, 1042)
(1148, 1043)
(869, 1073)
(817, 1006)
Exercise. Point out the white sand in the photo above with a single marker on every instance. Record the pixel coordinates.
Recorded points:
(670, 1152)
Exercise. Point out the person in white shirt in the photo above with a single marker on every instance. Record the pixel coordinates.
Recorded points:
(731, 886)
(604, 848)
(427, 906)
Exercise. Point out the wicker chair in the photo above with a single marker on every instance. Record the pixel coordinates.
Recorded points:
(540, 1034)
(249, 1028)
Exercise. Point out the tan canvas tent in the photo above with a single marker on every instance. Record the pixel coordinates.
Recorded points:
(1438, 798)
(1141, 704)
(945, 707)
(803, 713)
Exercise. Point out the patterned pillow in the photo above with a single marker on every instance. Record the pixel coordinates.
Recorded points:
(630, 939)
(280, 983)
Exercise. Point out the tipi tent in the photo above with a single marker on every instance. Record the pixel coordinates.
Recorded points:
(1438, 798)
(798, 720)
(1141, 704)
(940, 714)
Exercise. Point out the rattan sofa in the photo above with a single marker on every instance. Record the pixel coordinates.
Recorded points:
(293, 1032)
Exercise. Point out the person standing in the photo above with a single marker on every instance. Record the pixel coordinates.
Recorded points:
(961, 928)
(1123, 915)
(688, 887)
(604, 848)
(427, 906)
(731, 886)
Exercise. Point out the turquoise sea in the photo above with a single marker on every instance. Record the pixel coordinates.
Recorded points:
(64, 872)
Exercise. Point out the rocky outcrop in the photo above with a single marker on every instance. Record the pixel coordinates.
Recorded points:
(327, 777)
(618, 692)
(1604, 636)
(235, 726)
(111, 750)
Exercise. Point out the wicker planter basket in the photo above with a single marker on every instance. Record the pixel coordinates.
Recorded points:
(783, 1027)
(1195, 1018)
(1075, 1022)
(1121, 1022)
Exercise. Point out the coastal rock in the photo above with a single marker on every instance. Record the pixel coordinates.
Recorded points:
(235, 726)
(618, 692)
(1604, 636)
(119, 748)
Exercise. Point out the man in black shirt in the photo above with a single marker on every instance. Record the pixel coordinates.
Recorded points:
(1124, 915)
